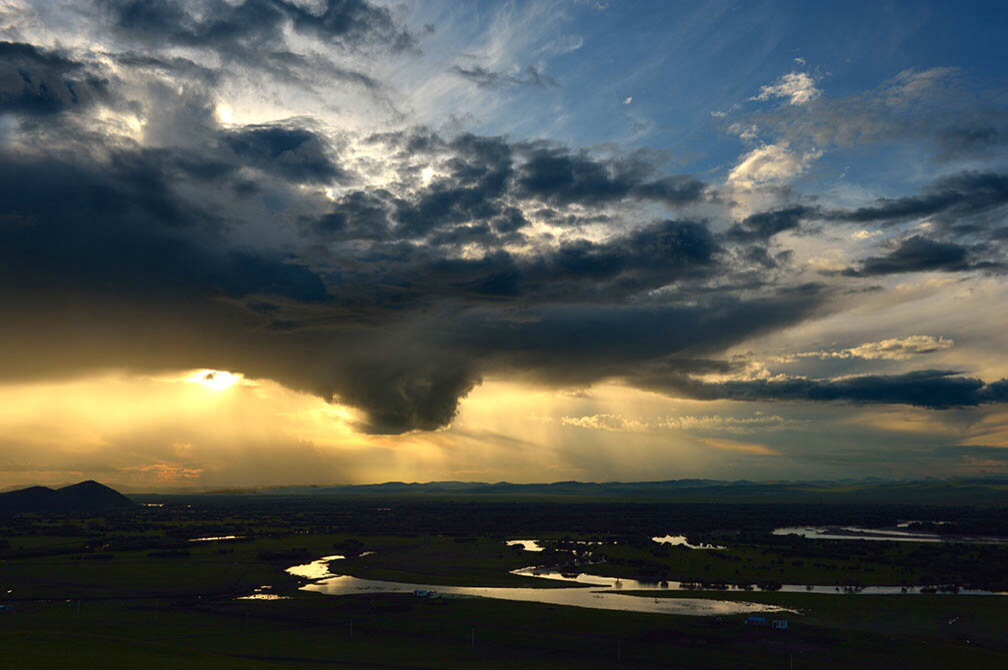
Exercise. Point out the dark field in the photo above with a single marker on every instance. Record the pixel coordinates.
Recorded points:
(128, 589)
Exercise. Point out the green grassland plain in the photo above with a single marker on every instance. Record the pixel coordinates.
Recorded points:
(129, 590)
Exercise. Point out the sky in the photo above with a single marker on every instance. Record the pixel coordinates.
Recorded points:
(250, 243)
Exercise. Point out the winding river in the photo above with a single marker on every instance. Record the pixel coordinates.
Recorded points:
(595, 592)
(599, 597)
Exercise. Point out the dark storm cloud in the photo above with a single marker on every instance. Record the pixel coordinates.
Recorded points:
(395, 300)
(39, 82)
(290, 151)
(555, 174)
(356, 216)
(252, 33)
(650, 256)
(485, 176)
(254, 24)
(932, 389)
(157, 285)
(118, 229)
(175, 65)
(764, 225)
(577, 271)
(919, 254)
(401, 330)
(965, 194)
(479, 175)
(582, 343)
(409, 389)
(760, 258)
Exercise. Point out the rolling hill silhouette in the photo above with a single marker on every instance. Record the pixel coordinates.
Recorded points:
(89, 496)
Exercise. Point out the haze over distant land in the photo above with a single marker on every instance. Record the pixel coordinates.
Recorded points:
(313, 242)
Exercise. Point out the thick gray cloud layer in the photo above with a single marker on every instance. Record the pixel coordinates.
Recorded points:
(918, 254)
(35, 81)
(217, 246)
(933, 389)
(240, 29)
(948, 198)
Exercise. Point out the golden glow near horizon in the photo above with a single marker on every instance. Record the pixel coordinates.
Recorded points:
(208, 428)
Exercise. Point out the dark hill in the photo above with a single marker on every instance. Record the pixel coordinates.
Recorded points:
(89, 496)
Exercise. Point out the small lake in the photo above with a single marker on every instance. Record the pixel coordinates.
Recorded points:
(317, 569)
(879, 535)
(680, 541)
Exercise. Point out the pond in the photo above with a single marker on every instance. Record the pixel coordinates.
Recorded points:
(681, 541)
(317, 569)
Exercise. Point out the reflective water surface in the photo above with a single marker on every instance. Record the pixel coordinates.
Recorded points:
(317, 569)
(264, 592)
(635, 585)
(604, 598)
(680, 541)
(879, 534)
(596, 592)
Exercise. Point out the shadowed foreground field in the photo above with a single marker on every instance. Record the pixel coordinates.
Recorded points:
(130, 589)
(400, 631)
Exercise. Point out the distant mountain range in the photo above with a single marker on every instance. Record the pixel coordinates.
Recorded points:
(980, 491)
(89, 496)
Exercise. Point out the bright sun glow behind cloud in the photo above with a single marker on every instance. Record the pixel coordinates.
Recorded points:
(216, 380)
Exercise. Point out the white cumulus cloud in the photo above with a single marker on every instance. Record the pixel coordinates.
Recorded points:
(771, 164)
(797, 87)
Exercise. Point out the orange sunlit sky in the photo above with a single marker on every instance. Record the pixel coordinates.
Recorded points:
(250, 243)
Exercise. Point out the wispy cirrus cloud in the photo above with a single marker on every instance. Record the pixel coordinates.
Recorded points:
(700, 424)
(897, 348)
